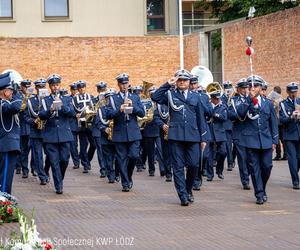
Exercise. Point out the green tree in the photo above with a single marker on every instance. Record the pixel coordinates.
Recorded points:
(233, 9)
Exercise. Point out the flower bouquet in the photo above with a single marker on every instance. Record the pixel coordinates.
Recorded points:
(8, 208)
(29, 239)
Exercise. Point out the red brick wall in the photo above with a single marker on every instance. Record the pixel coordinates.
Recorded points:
(191, 51)
(153, 58)
(276, 41)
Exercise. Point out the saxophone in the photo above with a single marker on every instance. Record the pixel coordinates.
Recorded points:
(110, 132)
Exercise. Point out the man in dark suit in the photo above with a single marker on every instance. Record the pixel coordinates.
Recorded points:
(82, 101)
(22, 162)
(259, 136)
(36, 131)
(187, 128)
(237, 128)
(10, 105)
(290, 119)
(124, 109)
(218, 136)
(56, 111)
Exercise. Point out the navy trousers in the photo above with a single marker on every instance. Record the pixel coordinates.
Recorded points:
(149, 149)
(242, 162)
(217, 151)
(164, 157)
(204, 161)
(184, 154)
(37, 154)
(229, 147)
(127, 154)
(108, 160)
(59, 154)
(85, 138)
(100, 155)
(7, 170)
(22, 161)
(74, 149)
(260, 166)
(293, 150)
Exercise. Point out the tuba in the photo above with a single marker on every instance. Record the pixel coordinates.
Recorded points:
(146, 101)
(205, 76)
(214, 87)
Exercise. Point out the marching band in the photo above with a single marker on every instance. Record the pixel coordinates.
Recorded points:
(189, 130)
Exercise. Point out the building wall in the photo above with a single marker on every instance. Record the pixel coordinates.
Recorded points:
(90, 18)
(276, 43)
(150, 58)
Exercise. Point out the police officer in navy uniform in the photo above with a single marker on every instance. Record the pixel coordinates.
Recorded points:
(150, 135)
(80, 102)
(208, 111)
(124, 109)
(187, 128)
(74, 129)
(96, 131)
(56, 111)
(10, 106)
(259, 136)
(290, 119)
(237, 129)
(25, 131)
(107, 146)
(164, 156)
(36, 131)
(218, 136)
(228, 90)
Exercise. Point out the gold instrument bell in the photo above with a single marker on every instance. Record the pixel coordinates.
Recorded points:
(214, 87)
(148, 105)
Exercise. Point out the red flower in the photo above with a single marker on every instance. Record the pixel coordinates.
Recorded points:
(9, 210)
(47, 246)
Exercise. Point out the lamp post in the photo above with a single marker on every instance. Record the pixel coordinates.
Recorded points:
(181, 48)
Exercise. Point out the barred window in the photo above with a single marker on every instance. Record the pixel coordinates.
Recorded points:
(56, 8)
(6, 9)
(155, 15)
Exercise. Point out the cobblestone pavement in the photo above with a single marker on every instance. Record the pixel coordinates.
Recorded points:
(100, 216)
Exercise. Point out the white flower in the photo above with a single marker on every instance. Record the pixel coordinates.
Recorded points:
(2, 198)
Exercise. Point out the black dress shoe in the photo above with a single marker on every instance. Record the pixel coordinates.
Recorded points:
(259, 201)
(184, 203)
(85, 171)
(75, 167)
(296, 187)
(102, 175)
(276, 158)
(33, 174)
(284, 158)
(117, 178)
(265, 198)
(111, 181)
(221, 176)
(196, 187)
(130, 185)
(59, 191)
(43, 182)
(162, 173)
(191, 198)
(125, 189)
(139, 170)
(18, 171)
(246, 187)
(151, 173)
(209, 179)
(229, 167)
(25, 176)
(169, 179)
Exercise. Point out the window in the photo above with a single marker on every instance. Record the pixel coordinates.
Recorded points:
(56, 8)
(6, 9)
(155, 15)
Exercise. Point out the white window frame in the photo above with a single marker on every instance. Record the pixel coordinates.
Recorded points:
(57, 18)
(11, 19)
